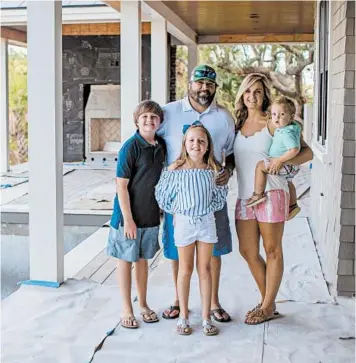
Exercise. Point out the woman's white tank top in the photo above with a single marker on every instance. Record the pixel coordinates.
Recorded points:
(248, 151)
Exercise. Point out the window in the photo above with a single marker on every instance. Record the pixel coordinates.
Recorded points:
(323, 70)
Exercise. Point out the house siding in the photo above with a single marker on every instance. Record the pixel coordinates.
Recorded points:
(333, 181)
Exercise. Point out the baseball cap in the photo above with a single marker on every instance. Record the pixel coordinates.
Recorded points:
(203, 72)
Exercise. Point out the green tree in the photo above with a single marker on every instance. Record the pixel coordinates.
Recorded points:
(18, 105)
(284, 65)
(181, 71)
(226, 60)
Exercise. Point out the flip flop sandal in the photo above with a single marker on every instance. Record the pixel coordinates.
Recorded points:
(258, 306)
(220, 311)
(253, 310)
(131, 319)
(171, 309)
(261, 317)
(209, 329)
(183, 327)
(149, 313)
(256, 199)
(293, 211)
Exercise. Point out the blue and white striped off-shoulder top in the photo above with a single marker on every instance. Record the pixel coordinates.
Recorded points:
(191, 192)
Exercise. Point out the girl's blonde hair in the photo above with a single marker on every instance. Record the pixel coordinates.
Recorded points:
(208, 158)
(241, 112)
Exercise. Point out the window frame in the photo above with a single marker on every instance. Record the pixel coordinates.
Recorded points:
(323, 61)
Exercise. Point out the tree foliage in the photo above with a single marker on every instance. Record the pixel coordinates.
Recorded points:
(17, 68)
(285, 65)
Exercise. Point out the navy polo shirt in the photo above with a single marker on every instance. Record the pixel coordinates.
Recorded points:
(142, 163)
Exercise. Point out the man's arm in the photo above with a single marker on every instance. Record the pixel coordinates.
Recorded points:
(230, 163)
(224, 177)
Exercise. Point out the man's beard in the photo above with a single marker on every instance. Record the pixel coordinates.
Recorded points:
(203, 100)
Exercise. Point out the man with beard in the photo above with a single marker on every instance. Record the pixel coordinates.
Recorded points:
(199, 107)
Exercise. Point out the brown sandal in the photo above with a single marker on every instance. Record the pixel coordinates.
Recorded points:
(149, 313)
(258, 306)
(131, 319)
(256, 199)
(293, 211)
(259, 317)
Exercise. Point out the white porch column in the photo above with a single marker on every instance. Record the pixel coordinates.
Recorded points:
(159, 61)
(130, 68)
(44, 40)
(192, 58)
(4, 109)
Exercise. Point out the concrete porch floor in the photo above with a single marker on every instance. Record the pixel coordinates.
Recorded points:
(66, 324)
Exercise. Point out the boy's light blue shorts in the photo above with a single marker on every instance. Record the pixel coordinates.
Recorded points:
(222, 247)
(145, 246)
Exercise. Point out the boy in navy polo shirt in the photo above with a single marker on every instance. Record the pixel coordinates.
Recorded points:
(134, 225)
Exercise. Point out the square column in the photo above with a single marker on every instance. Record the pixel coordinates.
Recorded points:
(131, 64)
(4, 108)
(159, 60)
(192, 58)
(45, 128)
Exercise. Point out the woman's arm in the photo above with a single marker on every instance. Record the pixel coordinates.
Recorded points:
(305, 154)
(130, 229)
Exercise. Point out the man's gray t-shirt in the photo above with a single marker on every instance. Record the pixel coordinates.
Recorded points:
(216, 119)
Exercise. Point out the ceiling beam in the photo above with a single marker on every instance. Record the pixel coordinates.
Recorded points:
(176, 26)
(100, 29)
(13, 34)
(256, 38)
(75, 29)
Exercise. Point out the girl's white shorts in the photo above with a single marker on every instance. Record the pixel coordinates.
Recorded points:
(188, 230)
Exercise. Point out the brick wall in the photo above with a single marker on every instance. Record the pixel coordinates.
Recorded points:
(90, 60)
(333, 179)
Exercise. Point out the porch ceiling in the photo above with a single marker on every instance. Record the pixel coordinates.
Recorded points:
(246, 17)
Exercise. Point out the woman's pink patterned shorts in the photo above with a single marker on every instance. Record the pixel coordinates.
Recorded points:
(273, 210)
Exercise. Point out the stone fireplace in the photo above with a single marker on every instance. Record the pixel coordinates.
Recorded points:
(102, 124)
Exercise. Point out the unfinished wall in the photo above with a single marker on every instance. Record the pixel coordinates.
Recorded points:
(89, 60)
(333, 179)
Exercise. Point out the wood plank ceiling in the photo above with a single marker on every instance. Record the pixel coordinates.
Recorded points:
(246, 17)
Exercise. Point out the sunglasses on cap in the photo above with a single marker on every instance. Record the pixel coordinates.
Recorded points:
(205, 73)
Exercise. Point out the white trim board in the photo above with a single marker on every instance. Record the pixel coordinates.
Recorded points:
(71, 15)
(85, 252)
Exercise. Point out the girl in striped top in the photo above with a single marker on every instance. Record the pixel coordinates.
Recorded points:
(187, 189)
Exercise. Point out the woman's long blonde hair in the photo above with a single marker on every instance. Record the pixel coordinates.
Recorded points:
(241, 112)
(208, 158)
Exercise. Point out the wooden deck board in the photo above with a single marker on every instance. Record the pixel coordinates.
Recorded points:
(89, 270)
(104, 271)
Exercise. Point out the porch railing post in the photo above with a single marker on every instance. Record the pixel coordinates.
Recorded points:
(44, 44)
(159, 61)
(131, 64)
(192, 58)
(4, 118)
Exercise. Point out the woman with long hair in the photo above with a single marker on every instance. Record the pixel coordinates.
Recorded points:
(266, 220)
